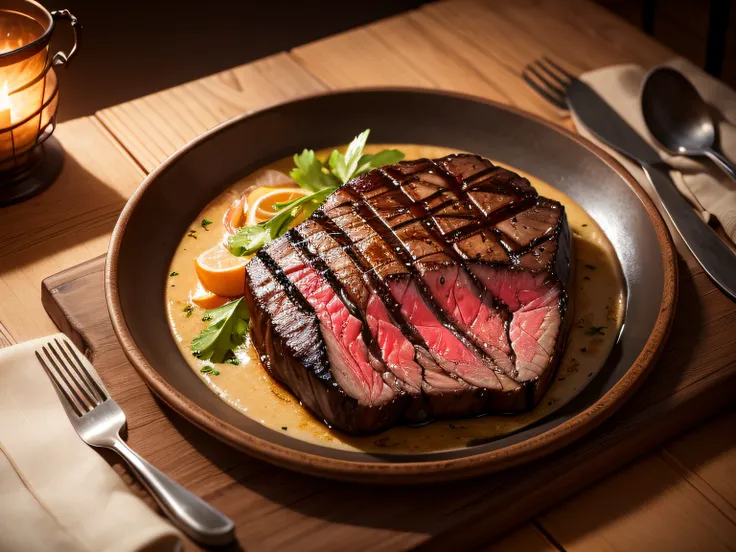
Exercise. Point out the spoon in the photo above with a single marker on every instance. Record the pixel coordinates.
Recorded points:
(678, 117)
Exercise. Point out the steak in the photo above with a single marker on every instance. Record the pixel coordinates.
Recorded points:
(425, 289)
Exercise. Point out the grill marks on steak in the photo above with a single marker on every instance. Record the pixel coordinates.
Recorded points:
(358, 292)
(352, 364)
(438, 288)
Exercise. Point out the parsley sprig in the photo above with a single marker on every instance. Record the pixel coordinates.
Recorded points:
(321, 179)
(227, 327)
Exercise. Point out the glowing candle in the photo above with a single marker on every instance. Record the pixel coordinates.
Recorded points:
(5, 108)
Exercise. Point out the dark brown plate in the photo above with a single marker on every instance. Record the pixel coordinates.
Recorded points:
(144, 241)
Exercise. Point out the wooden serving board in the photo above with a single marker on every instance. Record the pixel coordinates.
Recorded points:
(277, 509)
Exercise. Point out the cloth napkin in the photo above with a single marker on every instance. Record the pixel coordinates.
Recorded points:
(709, 190)
(57, 493)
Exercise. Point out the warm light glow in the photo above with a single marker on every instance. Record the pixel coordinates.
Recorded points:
(4, 98)
(5, 107)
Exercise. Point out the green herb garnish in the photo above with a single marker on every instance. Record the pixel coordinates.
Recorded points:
(188, 310)
(206, 223)
(311, 174)
(173, 273)
(226, 331)
(233, 360)
(596, 330)
(209, 370)
(317, 177)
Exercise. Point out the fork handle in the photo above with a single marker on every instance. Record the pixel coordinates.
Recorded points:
(187, 511)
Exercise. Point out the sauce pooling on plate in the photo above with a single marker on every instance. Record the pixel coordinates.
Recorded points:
(598, 300)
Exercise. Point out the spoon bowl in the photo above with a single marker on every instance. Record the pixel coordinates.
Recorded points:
(678, 117)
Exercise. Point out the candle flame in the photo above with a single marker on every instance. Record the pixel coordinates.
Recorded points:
(4, 98)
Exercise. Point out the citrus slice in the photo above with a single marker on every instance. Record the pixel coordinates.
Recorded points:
(206, 299)
(221, 272)
(261, 201)
(265, 182)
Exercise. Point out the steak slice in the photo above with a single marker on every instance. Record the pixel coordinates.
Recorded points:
(425, 289)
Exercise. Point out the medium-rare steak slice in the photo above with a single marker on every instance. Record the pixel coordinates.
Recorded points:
(425, 289)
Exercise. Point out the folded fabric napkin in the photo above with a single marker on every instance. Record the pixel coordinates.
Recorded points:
(711, 192)
(56, 493)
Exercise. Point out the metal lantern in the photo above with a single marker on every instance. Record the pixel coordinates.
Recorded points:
(29, 95)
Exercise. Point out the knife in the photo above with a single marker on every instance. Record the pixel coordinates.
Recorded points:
(716, 258)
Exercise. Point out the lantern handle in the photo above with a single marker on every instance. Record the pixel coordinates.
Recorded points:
(60, 58)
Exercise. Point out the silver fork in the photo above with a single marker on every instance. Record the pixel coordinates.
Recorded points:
(549, 80)
(98, 419)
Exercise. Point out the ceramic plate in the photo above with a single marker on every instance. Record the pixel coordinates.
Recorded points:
(155, 218)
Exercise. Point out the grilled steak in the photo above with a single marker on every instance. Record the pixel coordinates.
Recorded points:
(425, 289)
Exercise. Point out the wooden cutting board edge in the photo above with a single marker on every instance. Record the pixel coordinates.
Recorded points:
(703, 398)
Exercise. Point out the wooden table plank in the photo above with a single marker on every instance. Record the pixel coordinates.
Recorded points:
(68, 224)
(153, 127)
(709, 454)
(580, 32)
(414, 49)
(668, 514)
(525, 539)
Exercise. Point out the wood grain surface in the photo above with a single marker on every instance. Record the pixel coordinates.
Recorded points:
(475, 47)
(683, 389)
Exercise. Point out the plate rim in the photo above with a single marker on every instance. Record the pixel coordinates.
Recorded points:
(405, 472)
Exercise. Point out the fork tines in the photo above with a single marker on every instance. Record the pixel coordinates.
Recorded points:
(549, 80)
(71, 378)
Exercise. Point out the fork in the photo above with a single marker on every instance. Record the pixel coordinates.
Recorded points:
(551, 81)
(98, 419)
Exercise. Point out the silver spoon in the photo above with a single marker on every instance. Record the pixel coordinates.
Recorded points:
(678, 117)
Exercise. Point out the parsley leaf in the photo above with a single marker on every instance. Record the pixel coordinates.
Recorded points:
(311, 174)
(596, 330)
(370, 161)
(226, 331)
(173, 273)
(206, 223)
(250, 239)
(344, 166)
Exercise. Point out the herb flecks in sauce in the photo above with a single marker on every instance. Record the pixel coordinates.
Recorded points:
(206, 223)
(209, 370)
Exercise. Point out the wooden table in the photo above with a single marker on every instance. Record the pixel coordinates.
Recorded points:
(680, 496)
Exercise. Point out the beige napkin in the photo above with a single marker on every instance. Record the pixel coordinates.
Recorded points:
(710, 191)
(56, 493)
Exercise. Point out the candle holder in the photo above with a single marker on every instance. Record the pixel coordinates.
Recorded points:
(30, 158)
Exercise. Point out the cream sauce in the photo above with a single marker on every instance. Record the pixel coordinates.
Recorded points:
(598, 296)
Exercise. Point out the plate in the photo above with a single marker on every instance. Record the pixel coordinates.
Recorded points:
(158, 213)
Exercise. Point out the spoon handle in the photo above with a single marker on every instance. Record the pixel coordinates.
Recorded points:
(724, 164)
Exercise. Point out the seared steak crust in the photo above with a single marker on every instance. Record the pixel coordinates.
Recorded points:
(429, 288)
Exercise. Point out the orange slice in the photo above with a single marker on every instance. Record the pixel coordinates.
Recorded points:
(206, 299)
(261, 201)
(221, 272)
